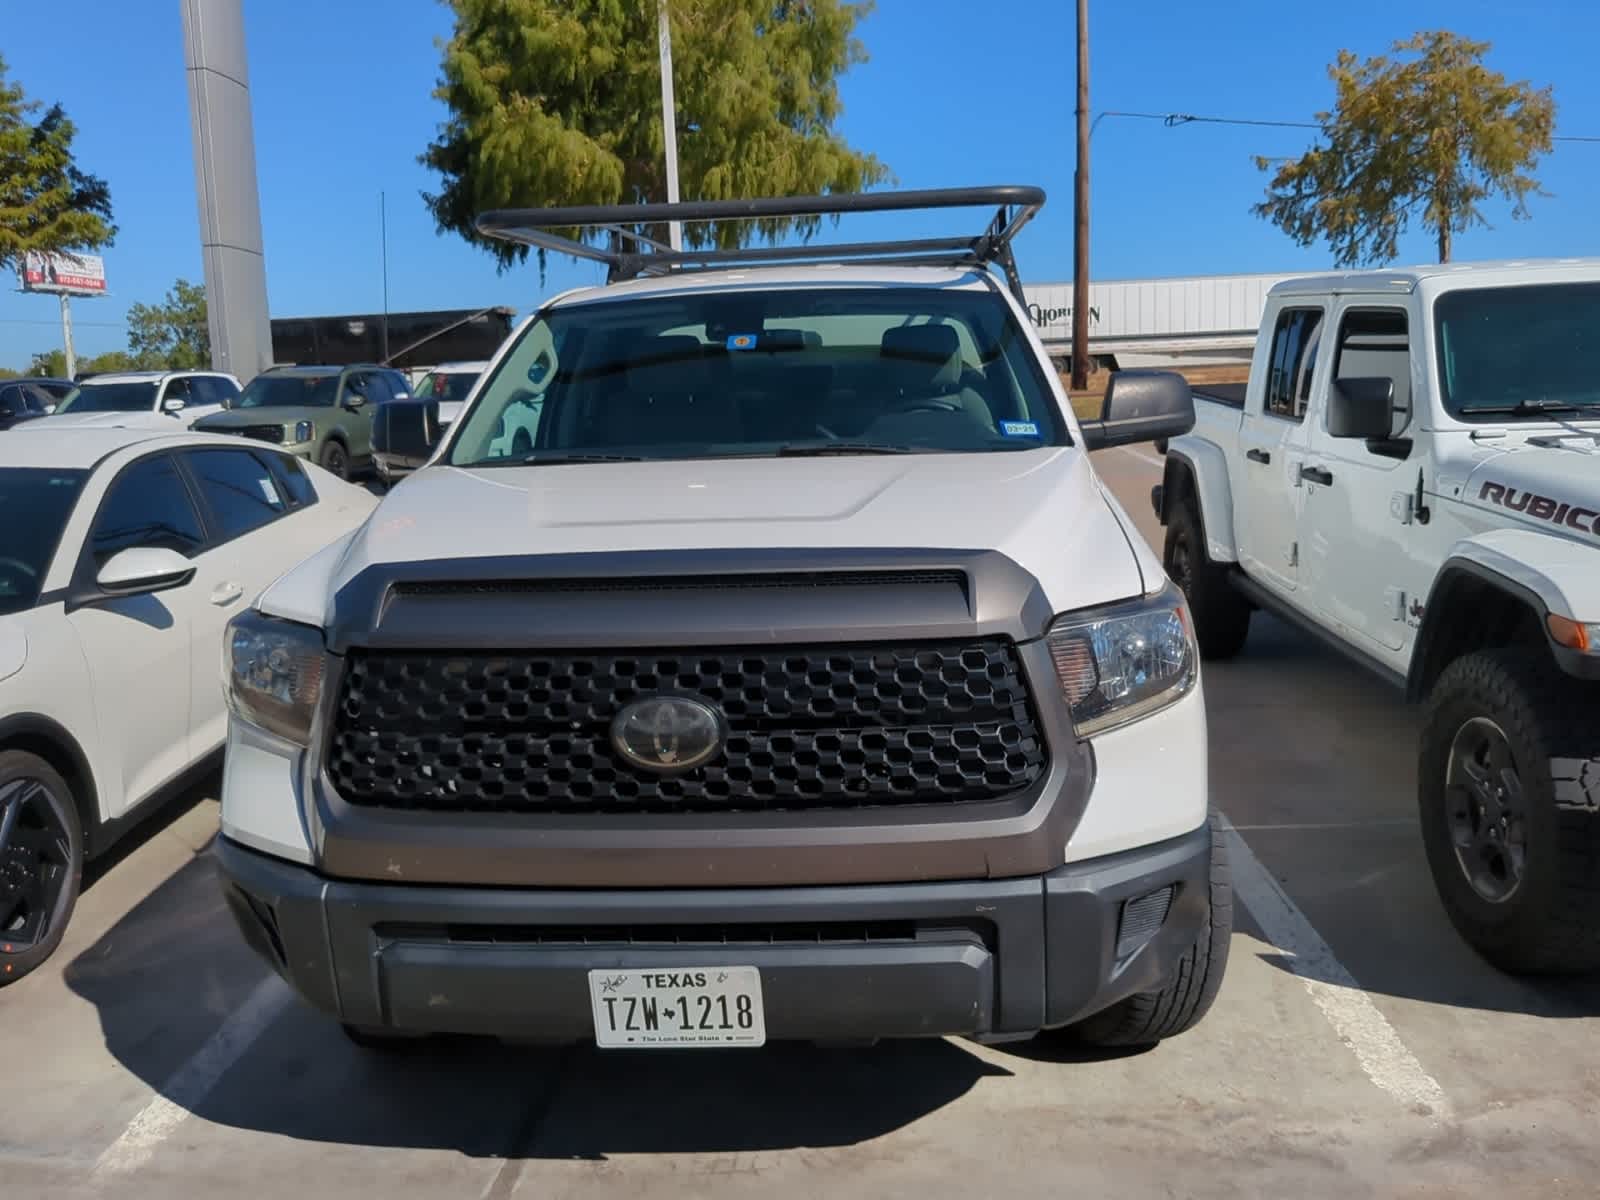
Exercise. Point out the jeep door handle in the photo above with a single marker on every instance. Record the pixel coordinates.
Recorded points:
(226, 593)
(1260, 456)
(1317, 475)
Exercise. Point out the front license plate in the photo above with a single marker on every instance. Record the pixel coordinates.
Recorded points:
(678, 1006)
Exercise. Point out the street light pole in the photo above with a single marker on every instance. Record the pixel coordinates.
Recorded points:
(1080, 205)
(669, 124)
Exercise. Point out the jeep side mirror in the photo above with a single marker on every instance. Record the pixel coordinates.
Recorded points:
(1141, 406)
(406, 432)
(1361, 408)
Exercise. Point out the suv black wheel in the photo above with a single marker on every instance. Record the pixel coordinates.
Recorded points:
(1148, 1017)
(1221, 615)
(1509, 797)
(41, 862)
(336, 459)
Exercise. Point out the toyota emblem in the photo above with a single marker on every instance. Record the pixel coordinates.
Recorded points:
(668, 735)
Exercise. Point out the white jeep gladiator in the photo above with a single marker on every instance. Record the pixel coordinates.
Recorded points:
(1414, 475)
(799, 681)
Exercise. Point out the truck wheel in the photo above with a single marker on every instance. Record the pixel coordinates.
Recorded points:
(1509, 797)
(41, 862)
(1221, 615)
(1147, 1017)
(335, 460)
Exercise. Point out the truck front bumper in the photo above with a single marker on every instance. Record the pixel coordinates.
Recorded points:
(994, 958)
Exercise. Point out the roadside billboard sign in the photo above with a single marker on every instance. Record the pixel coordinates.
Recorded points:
(63, 273)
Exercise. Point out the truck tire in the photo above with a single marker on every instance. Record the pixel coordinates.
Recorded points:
(335, 458)
(1221, 615)
(1509, 798)
(1147, 1017)
(41, 862)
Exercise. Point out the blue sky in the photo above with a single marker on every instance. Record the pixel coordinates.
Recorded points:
(342, 108)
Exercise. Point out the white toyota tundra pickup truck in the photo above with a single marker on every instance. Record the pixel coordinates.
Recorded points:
(1414, 476)
(800, 681)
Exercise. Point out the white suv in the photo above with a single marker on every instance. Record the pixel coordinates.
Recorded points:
(800, 681)
(156, 400)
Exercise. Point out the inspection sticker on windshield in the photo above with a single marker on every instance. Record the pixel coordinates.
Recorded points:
(741, 341)
(1020, 428)
(678, 1006)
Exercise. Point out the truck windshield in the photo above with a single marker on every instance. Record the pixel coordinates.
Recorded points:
(45, 498)
(110, 397)
(764, 373)
(1527, 352)
(289, 391)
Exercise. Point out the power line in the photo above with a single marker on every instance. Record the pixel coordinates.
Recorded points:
(1173, 120)
(76, 323)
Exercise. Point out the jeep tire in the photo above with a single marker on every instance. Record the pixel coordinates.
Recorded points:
(1509, 799)
(1220, 613)
(1147, 1017)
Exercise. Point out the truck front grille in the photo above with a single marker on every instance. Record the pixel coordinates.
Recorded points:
(808, 728)
(261, 433)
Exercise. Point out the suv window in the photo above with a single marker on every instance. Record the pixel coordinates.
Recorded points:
(1373, 343)
(293, 482)
(239, 490)
(204, 390)
(177, 389)
(148, 505)
(1291, 361)
(399, 385)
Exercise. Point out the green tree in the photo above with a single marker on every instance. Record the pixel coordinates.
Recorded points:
(1430, 137)
(556, 102)
(46, 202)
(171, 335)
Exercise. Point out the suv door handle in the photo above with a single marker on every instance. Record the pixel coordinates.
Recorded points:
(226, 593)
(1260, 456)
(1317, 475)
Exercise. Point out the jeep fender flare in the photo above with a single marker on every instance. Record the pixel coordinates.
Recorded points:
(1547, 574)
(1202, 467)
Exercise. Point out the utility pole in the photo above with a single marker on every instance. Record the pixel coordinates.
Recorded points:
(1080, 207)
(669, 125)
(383, 234)
(66, 335)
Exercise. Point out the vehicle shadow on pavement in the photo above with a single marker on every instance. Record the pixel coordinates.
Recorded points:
(168, 976)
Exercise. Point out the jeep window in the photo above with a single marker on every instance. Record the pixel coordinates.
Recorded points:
(1373, 344)
(755, 374)
(1292, 361)
(111, 397)
(1527, 352)
(289, 391)
(46, 498)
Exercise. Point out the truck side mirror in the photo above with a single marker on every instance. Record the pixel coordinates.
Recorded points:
(1141, 406)
(1361, 408)
(405, 432)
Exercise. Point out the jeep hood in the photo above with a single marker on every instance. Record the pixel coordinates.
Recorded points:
(1553, 487)
(1043, 509)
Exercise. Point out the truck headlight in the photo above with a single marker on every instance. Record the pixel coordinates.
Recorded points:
(272, 674)
(1125, 661)
(304, 431)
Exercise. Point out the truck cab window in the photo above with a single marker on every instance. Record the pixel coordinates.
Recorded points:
(1374, 343)
(1291, 362)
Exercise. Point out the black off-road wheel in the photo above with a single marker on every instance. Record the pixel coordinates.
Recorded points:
(41, 862)
(1509, 798)
(1221, 615)
(1149, 1017)
(335, 459)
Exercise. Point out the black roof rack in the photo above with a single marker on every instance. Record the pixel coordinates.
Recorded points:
(633, 253)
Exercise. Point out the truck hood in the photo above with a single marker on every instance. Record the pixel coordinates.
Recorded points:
(1553, 487)
(1043, 509)
(240, 418)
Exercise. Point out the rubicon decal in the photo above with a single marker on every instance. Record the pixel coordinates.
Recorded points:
(1545, 508)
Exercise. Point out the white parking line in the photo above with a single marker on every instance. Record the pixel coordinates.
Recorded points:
(1152, 459)
(1377, 1047)
(192, 1082)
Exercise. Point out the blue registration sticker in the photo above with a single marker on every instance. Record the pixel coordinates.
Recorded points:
(1019, 428)
(741, 341)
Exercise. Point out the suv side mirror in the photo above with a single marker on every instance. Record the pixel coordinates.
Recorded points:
(173, 404)
(143, 569)
(1361, 408)
(406, 432)
(1141, 406)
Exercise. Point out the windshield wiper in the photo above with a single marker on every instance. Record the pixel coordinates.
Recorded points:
(820, 449)
(557, 459)
(1524, 408)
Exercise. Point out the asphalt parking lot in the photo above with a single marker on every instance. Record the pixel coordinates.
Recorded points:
(1358, 1048)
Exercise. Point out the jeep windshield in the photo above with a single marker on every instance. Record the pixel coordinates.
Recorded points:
(289, 391)
(1525, 353)
(128, 397)
(745, 374)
